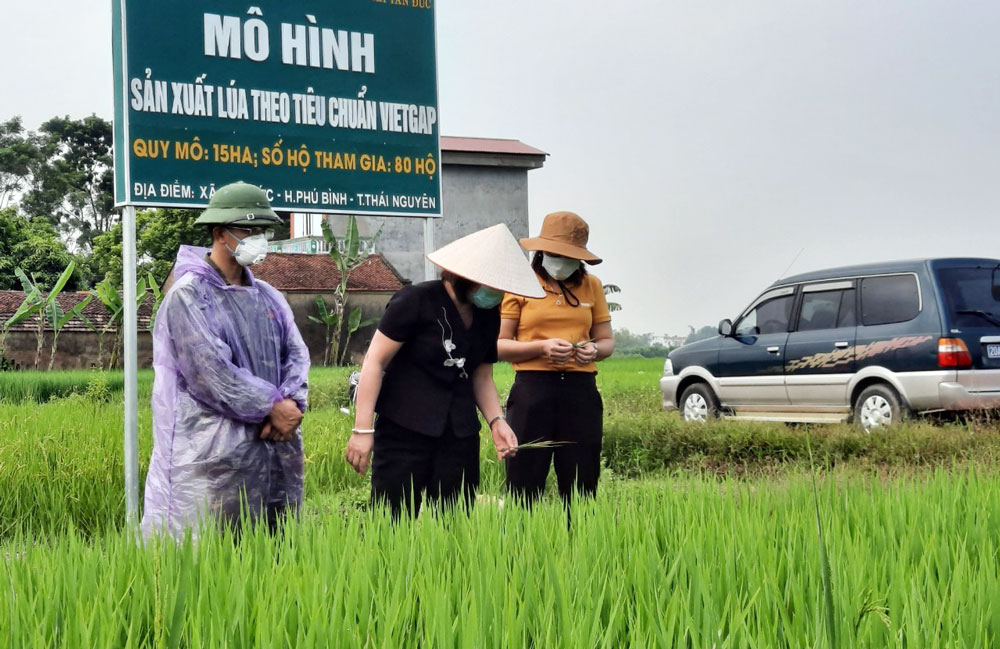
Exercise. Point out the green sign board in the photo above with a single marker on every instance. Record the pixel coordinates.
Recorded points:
(329, 105)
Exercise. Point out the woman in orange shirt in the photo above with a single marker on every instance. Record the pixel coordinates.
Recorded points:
(554, 343)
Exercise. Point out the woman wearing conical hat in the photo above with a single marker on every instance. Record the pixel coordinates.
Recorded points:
(427, 370)
(554, 343)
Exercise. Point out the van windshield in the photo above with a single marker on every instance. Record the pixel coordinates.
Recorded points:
(971, 295)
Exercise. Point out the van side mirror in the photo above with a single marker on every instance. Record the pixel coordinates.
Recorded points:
(726, 328)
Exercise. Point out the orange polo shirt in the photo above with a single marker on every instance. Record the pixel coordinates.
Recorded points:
(551, 317)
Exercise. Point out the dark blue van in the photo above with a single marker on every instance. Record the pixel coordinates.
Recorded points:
(871, 343)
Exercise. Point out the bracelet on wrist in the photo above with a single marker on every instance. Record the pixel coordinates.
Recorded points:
(363, 431)
(495, 420)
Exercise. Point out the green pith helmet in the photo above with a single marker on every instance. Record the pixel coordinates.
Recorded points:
(239, 204)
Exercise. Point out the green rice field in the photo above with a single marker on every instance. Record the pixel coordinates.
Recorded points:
(701, 536)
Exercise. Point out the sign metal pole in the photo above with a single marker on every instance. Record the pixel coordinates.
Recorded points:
(129, 321)
(430, 271)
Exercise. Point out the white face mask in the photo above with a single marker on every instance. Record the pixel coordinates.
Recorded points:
(559, 268)
(249, 251)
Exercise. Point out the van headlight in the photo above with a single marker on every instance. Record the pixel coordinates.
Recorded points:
(668, 368)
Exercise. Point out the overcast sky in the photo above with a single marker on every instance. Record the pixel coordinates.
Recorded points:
(706, 143)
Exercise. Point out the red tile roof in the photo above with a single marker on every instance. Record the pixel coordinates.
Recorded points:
(288, 271)
(96, 312)
(488, 145)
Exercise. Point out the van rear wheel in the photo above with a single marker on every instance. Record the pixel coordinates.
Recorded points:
(878, 406)
(698, 404)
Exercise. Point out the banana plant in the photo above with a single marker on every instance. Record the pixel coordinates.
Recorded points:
(112, 302)
(30, 306)
(354, 322)
(58, 319)
(608, 290)
(46, 311)
(109, 295)
(34, 293)
(328, 319)
(346, 260)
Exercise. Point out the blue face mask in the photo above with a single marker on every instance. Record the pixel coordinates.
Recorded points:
(485, 297)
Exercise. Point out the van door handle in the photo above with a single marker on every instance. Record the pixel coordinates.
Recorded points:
(773, 350)
(840, 345)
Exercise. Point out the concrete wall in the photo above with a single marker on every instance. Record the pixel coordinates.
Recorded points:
(76, 350)
(474, 197)
(304, 305)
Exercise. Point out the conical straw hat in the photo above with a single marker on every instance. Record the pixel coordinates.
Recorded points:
(490, 257)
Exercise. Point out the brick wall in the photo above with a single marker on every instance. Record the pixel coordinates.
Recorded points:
(76, 350)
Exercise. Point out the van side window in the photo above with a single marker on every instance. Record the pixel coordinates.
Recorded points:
(826, 310)
(848, 316)
(884, 300)
(768, 317)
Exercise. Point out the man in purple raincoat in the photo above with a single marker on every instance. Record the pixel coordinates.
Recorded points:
(230, 381)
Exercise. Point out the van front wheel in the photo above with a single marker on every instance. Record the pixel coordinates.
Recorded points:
(698, 404)
(878, 406)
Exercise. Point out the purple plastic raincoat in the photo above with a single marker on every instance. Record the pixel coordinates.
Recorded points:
(223, 356)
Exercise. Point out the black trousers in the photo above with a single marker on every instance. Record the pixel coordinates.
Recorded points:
(407, 464)
(561, 407)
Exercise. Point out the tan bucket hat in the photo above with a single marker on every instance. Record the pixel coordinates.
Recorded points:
(566, 234)
(490, 257)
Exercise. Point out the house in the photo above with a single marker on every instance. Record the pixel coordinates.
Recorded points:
(483, 182)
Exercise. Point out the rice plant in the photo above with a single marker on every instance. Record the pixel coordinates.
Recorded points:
(675, 562)
(676, 550)
(39, 386)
